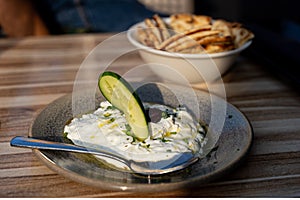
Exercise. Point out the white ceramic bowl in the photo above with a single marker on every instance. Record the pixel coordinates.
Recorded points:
(174, 67)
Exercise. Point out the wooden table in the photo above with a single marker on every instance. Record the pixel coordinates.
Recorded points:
(36, 71)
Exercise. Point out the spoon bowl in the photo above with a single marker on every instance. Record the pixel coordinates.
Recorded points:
(146, 168)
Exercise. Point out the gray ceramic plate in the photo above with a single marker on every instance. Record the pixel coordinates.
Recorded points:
(233, 145)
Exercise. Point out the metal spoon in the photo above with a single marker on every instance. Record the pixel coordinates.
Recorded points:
(147, 168)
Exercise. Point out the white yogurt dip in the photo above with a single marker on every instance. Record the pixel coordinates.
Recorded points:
(106, 128)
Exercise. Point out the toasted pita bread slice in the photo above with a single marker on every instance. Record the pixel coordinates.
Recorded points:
(150, 24)
(189, 43)
(222, 26)
(181, 26)
(190, 40)
(202, 34)
(177, 36)
(183, 21)
(198, 29)
(178, 42)
(162, 27)
(214, 39)
(241, 36)
(170, 40)
(201, 20)
(186, 17)
(143, 37)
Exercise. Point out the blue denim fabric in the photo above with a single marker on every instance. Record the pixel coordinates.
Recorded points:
(97, 15)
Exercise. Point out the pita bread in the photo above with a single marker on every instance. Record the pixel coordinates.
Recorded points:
(179, 46)
(222, 26)
(154, 30)
(162, 27)
(201, 20)
(144, 38)
(241, 36)
(183, 22)
(193, 34)
(178, 36)
(214, 39)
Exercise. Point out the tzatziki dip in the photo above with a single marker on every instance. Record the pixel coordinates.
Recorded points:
(106, 128)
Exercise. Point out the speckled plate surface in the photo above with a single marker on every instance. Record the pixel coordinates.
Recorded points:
(233, 145)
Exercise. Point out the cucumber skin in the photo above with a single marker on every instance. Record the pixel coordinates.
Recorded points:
(127, 85)
(130, 89)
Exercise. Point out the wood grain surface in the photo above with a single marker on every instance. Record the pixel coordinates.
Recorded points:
(36, 71)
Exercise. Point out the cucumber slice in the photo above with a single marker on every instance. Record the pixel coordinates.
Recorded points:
(121, 95)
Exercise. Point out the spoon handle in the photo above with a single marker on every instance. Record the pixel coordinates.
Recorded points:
(27, 142)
